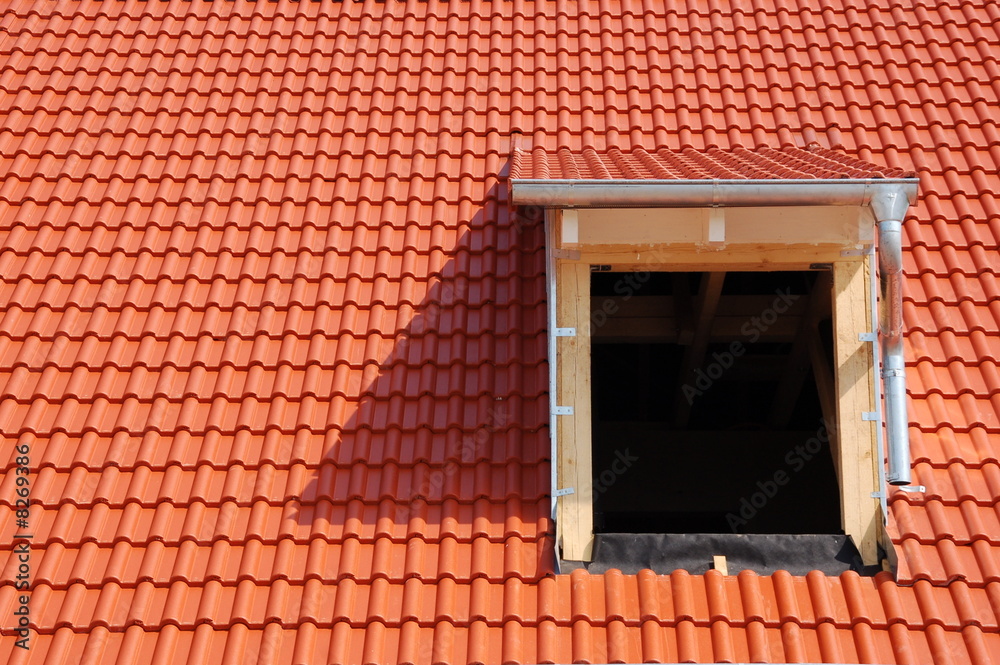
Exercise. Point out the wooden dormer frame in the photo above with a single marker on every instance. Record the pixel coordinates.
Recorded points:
(854, 445)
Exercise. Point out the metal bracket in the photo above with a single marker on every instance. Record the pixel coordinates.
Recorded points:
(564, 491)
(910, 489)
(868, 337)
(864, 251)
(869, 415)
(569, 254)
(562, 411)
(565, 332)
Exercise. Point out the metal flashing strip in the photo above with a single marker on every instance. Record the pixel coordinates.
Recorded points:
(883, 498)
(550, 292)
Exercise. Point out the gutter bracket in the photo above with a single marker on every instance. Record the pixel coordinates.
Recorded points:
(716, 231)
(568, 254)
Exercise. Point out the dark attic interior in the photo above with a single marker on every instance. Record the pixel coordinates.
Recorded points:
(712, 391)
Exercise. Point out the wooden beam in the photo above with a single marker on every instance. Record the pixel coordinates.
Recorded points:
(855, 393)
(819, 357)
(797, 365)
(694, 355)
(683, 306)
(665, 329)
(743, 305)
(699, 258)
(576, 510)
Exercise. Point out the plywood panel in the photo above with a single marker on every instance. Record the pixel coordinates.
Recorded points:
(843, 226)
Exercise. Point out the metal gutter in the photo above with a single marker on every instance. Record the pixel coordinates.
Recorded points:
(701, 193)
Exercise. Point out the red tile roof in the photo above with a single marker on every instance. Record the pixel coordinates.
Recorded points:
(276, 343)
(738, 163)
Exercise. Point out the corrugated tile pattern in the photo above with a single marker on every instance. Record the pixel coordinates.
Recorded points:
(762, 163)
(277, 343)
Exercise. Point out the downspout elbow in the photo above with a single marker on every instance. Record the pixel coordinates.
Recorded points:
(890, 267)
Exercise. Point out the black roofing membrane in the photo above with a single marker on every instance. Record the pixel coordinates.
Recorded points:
(762, 553)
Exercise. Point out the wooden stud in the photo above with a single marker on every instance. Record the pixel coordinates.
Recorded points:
(855, 392)
(720, 564)
(576, 510)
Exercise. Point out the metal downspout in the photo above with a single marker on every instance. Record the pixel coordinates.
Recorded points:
(890, 209)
